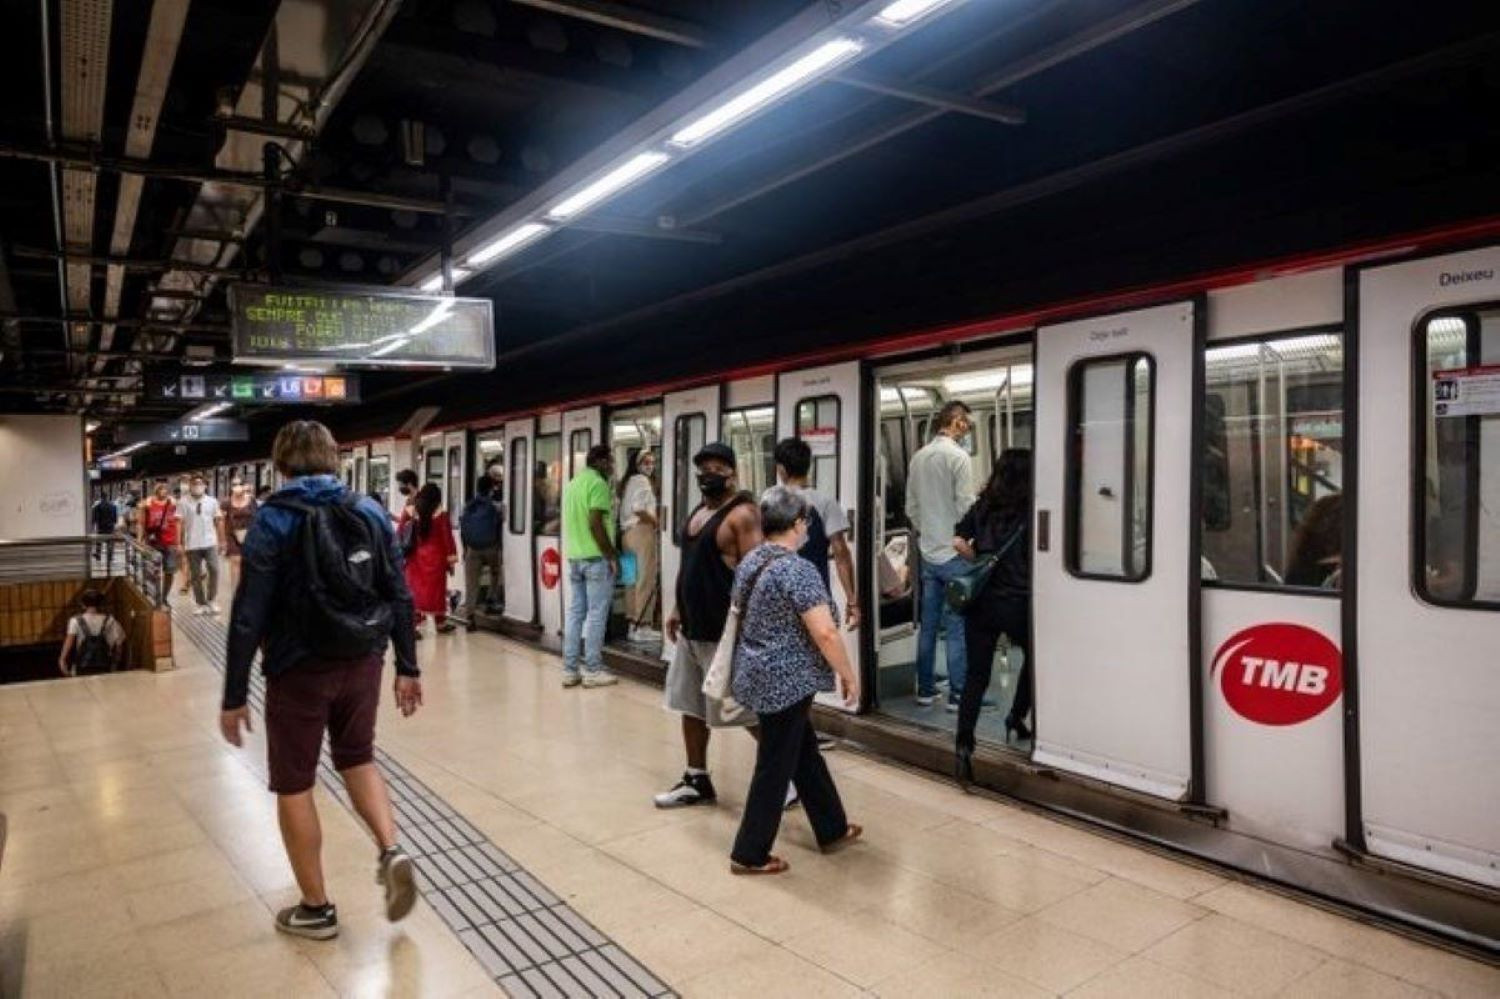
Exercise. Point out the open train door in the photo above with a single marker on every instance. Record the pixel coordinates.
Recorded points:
(690, 419)
(821, 406)
(581, 430)
(456, 491)
(1113, 561)
(1424, 576)
(516, 552)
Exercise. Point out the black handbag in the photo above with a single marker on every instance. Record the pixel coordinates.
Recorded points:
(961, 591)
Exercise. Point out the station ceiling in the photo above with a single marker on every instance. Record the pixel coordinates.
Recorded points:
(1009, 154)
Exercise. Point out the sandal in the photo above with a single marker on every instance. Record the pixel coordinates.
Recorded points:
(852, 833)
(774, 865)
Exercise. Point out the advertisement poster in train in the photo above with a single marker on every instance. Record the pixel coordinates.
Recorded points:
(1278, 673)
(1466, 391)
(823, 441)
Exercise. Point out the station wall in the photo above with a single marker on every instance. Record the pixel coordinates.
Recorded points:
(43, 470)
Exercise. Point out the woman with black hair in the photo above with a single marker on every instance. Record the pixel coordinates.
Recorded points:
(998, 524)
(640, 536)
(430, 556)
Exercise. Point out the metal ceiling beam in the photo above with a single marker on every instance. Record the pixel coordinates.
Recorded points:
(616, 225)
(165, 325)
(1095, 36)
(82, 259)
(630, 19)
(943, 100)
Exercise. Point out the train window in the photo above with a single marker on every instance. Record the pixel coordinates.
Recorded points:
(380, 477)
(752, 434)
(1272, 462)
(434, 465)
(818, 425)
(518, 478)
(689, 433)
(546, 484)
(457, 487)
(1111, 416)
(579, 442)
(1458, 458)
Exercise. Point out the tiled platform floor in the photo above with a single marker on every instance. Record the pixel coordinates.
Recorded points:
(144, 860)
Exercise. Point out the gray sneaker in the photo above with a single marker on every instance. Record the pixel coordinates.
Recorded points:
(571, 679)
(398, 874)
(600, 679)
(314, 924)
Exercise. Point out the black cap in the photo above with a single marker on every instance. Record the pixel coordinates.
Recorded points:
(714, 449)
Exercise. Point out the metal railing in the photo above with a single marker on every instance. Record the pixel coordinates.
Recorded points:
(93, 556)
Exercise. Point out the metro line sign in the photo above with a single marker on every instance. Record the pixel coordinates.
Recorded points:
(1279, 674)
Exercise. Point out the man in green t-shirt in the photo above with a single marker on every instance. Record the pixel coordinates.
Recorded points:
(593, 564)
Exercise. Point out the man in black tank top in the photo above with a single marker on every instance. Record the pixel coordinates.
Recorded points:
(718, 533)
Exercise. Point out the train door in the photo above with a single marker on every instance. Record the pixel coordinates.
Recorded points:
(456, 490)
(581, 429)
(546, 523)
(689, 420)
(995, 384)
(635, 441)
(1426, 577)
(1272, 468)
(517, 559)
(821, 406)
(346, 467)
(1111, 571)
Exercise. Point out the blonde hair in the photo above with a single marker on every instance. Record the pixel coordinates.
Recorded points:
(305, 447)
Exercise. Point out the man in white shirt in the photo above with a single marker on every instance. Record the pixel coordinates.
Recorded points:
(202, 541)
(939, 491)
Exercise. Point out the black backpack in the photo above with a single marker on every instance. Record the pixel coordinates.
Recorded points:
(340, 590)
(91, 653)
(479, 524)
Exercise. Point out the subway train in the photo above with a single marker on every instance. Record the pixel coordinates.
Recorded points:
(1266, 554)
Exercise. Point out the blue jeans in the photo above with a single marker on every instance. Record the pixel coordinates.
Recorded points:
(591, 588)
(935, 608)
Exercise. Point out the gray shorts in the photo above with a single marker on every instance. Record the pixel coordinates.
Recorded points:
(685, 675)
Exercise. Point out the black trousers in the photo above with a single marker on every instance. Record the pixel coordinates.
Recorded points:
(787, 753)
(986, 621)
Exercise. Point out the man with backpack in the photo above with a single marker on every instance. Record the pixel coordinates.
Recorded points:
(157, 527)
(95, 640)
(479, 528)
(321, 594)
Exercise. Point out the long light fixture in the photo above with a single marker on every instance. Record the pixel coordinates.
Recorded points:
(508, 243)
(435, 283)
(618, 179)
(209, 411)
(816, 63)
(905, 12)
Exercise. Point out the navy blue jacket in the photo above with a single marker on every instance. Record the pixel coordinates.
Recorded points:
(255, 622)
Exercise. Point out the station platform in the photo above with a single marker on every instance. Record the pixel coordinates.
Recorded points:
(143, 860)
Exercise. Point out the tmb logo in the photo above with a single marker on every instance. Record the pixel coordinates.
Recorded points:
(551, 568)
(1279, 674)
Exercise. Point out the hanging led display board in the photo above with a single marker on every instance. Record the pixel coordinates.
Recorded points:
(374, 328)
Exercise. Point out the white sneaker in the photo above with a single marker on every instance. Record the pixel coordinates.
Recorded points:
(647, 635)
(600, 679)
(213, 609)
(202, 611)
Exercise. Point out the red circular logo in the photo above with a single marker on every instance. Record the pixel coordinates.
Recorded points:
(1279, 674)
(551, 568)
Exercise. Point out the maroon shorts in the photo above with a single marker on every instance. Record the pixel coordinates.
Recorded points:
(306, 700)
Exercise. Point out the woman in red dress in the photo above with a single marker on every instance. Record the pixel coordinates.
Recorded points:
(430, 557)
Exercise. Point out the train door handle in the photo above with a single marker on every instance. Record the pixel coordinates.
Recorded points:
(1043, 530)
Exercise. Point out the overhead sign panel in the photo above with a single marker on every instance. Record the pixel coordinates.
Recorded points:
(185, 431)
(118, 464)
(254, 389)
(364, 328)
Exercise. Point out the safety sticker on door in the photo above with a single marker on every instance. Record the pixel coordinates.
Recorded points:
(1279, 674)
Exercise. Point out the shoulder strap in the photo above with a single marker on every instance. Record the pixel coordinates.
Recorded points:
(755, 578)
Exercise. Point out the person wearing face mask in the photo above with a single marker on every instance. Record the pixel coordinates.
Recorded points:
(406, 485)
(939, 491)
(638, 535)
(721, 531)
(238, 513)
(202, 541)
(157, 527)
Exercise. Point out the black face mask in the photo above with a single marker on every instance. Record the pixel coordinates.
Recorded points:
(712, 484)
(405, 490)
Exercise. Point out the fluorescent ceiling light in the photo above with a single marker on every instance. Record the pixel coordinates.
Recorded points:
(817, 62)
(979, 381)
(207, 411)
(905, 12)
(435, 283)
(508, 243)
(620, 177)
(91, 426)
(438, 314)
(390, 348)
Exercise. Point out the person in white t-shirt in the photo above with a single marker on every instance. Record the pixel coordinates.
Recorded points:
(94, 640)
(202, 541)
(640, 535)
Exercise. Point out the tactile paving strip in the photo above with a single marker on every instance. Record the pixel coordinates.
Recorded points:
(528, 939)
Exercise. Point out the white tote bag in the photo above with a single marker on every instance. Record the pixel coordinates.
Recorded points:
(718, 681)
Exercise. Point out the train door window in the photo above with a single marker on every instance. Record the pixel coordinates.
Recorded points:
(547, 479)
(516, 501)
(1457, 488)
(361, 473)
(752, 434)
(689, 434)
(1109, 476)
(1272, 463)
(380, 477)
(579, 442)
(490, 453)
(818, 425)
(633, 432)
(457, 488)
(433, 463)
